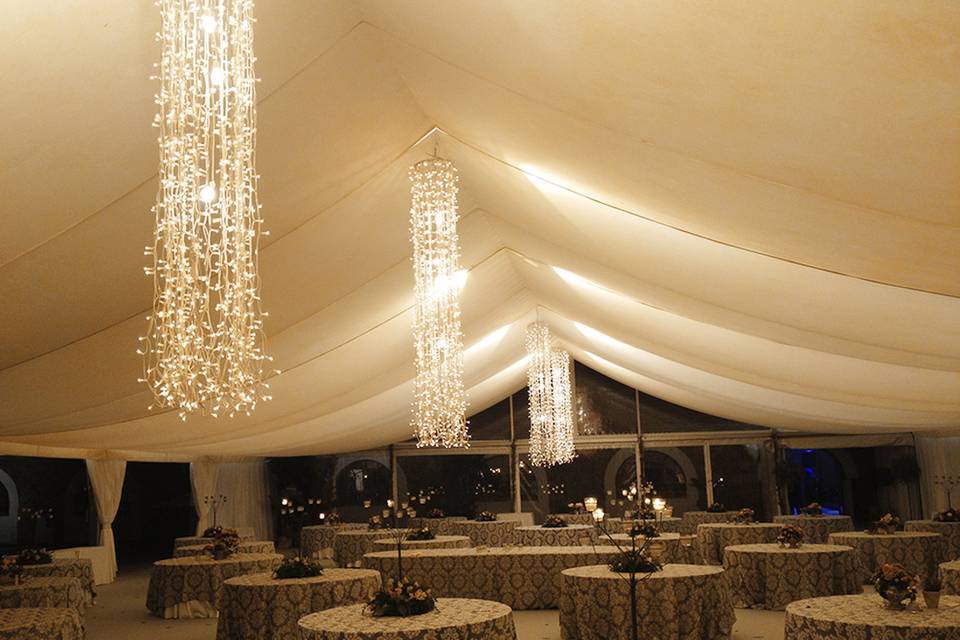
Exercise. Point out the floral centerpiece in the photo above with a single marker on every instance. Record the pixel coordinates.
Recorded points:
(332, 518)
(212, 532)
(887, 525)
(224, 544)
(716, 507)
(576, 507)
(486, 516)
(812, 509)
(790, 535)
(421, 534)
(895, 585)
(28, 557)
(11, 571)
(645, 529)
(950, 515)
(401, 598)
(636, 559)
(744, 516)
(297, 568)
(436, 512)
(374, 523)
(554, 522)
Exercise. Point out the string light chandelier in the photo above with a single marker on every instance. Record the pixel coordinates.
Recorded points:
(439, 408)
(204, 348)
(551, 410)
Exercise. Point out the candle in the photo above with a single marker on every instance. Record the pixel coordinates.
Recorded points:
(590, 504)
(659, 504)
(386, 513)
(322, 515)
(598, 515)
(390, 503)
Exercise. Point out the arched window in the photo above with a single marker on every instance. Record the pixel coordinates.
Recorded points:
(363, 480)
(4, 501)
(666, 474)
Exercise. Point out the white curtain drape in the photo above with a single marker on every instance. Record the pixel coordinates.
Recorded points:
(937, 457)
(203, 483)
(106, 479)
(247, 489)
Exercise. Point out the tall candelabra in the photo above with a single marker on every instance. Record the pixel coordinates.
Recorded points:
(215, 502)
(948, 483)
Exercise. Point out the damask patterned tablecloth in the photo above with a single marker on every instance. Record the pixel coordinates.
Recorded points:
(949, 530)
(950, 574)
(46, 623)
(671, 544)
(767, 576)
(259, 546)
(569, 536)
(817, 529)
(521, 577)
(666, 525)
(190, 587)
(350, 546)
(863, 617)
(712, 539)
(453, 619)
(317, 540)
(918, 551)
(439, 542)
(257, 607)
(188, 541)
(574, 518)
(79, 568)
(439, 526)
(681, 602)
(44, 592)
(491, 534)
(690, 520)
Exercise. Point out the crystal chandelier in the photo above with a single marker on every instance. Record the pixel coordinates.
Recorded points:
(551, 411)
(439, 411)
(204, 348)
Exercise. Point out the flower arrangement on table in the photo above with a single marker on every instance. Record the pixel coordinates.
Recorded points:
(402, 598)
(791, 536)
(486, 516)
(812, 509)
(11, 571)
(29, 557)
(636, 559)
(644, 529)
(224, 544)
(212, 532)
(332, 518)
(950, 515)
(374, 523)
(436, 512)
(297, 568)
(554, 522)
(421, 534)
(887, 525)
(716, 507)
(896, 585)
(745, 516)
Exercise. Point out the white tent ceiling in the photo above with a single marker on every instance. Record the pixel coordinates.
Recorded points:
(750, 210)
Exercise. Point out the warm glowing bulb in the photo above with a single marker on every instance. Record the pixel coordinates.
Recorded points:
(659, 504)
(598, 514)
(208, 193)
(209, 23)
(216, 76)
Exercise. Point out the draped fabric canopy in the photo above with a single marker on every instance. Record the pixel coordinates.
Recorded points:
(752, 211)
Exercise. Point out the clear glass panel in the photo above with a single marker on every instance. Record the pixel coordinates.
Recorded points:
(742, 477)
(492, 423)
(601, 473)
(521, 414)
(461, 485)
(362, 487)
(660, 416)
(678, 475)
(603, 405)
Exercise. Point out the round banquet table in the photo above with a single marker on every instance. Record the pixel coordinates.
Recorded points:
(259, 546)
(681, 602)
(350, 546)
(453, 619)
(569, 536)
(520, 577)
(864, 617)
(257, 607)
(673, 549)
(487, 534)
(192, 541)
(919, 552)
(767, 576)
(574, 518)
(190, 587)
(317, 540)
(49, 623)
(79, 568)
(439, 526)
(666, 525)
(950, 574)
(817, 529)
(44, 592)
(949, 530)
(439, 542)
(712, 539)
(690, 520)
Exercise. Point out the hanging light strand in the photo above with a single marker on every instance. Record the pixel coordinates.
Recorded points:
(439, 408)
(204, 348)
(551, 411)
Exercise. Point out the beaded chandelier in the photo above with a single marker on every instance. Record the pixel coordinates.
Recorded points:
(439, 407)
(204, 348)
(551, 410)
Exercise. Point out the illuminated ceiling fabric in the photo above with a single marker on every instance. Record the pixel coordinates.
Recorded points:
(754, 214)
